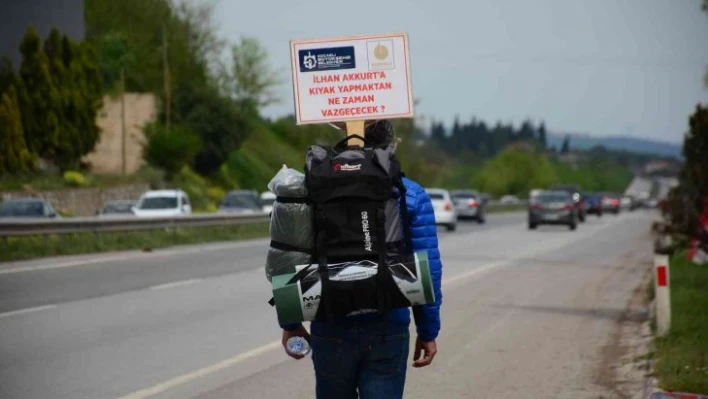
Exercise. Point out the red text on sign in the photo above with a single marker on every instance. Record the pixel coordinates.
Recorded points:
(329, 113)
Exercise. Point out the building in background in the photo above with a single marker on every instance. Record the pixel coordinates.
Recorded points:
(16, 15)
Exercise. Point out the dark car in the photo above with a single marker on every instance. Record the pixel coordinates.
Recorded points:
(553, 207)
(593, 203)
(468, 204)
(27, 208)
(576, 196)
(611, 203)
(117, 208)
(241, 201)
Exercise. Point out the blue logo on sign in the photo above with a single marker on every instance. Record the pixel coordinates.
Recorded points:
(327, 59)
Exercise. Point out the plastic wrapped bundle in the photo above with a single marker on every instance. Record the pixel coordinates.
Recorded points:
(290, 224)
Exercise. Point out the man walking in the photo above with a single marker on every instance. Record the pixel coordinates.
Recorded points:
(351, 357)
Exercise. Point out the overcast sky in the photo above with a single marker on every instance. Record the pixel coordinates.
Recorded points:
(605, 67)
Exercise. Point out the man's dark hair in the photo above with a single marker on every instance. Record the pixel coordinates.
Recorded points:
(380, 133)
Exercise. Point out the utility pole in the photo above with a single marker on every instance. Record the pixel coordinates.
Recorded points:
(166, 73)
(122, 119)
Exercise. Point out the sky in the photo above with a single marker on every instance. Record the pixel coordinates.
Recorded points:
(603, 67)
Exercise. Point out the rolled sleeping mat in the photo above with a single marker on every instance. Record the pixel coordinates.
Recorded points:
(291, 233)
(297, 297)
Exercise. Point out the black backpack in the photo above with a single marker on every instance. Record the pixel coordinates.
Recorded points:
(359, 207)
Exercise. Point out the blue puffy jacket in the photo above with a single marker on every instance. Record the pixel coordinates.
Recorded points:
(424, 235)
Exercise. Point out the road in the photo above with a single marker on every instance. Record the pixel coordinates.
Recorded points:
(525, 314)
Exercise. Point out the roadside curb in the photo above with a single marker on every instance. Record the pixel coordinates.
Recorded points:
(651, 384)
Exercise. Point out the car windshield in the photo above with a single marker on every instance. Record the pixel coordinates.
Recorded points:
(552, 197)
(436, 196)
(463, 196)
(22, 208)
(117, 207)
(240, 201)
(158, 203)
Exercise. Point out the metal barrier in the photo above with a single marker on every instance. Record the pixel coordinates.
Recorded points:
(17, 227)
(43, 227)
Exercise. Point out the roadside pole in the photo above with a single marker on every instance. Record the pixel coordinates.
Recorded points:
(663, 294)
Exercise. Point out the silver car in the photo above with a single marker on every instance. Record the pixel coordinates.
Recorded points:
(468, 204)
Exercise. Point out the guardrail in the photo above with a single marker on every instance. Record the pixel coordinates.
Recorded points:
(74, 225)
(16, 227)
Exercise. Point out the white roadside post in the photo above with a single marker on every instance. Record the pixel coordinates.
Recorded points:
(663, 294)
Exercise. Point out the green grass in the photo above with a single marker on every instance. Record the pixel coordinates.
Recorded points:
(23, 248)
(682, 355)
(505, 208)
(47, 181)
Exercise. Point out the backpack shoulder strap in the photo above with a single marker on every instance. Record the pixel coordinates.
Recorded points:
(407, 231)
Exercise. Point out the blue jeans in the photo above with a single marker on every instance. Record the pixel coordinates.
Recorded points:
(366, 356)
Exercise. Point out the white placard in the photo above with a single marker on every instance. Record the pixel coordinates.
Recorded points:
(351, 78)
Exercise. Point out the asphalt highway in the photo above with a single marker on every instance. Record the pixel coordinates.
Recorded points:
(525, 314)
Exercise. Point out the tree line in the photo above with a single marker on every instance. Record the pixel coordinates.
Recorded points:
(211, 93)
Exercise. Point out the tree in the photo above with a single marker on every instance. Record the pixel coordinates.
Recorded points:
(170, 149)
(76, 76)
(220, 124)
(686, 202)
(38, 97)
(15, 157)
(542, 135)
(143, 23)
(695, 150)
(526, 131)
(249, 79)
(437, 133)
(565, 147)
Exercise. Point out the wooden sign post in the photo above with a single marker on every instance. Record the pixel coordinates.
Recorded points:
(350, 82)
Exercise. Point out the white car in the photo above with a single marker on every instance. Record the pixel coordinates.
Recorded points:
(163, 203)
(267, 200)
(445, 213)
(509, 200)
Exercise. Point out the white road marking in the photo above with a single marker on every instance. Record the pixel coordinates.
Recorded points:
(183, 379)
(28, 310)
(175, 284)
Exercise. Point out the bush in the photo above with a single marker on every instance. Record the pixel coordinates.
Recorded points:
(170, 149)
(75, 179)
(195, 186)
(215, 194)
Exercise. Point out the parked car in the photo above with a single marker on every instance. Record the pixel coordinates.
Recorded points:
(267, 200)
(553, 207)
(611, 203)
(117, 208)
(157, 203)
(28, 208)
(445, 214)
(509, 200)
(652, 203)
(468, 205)
(241, 201)
(593, 204)
(576, 195)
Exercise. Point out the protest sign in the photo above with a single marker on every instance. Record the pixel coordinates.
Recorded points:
(351, 79)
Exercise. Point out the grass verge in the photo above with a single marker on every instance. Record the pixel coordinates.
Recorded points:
(505, 208)
(682, 355)
(23, 248)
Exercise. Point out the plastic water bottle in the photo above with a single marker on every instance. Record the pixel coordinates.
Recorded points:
(298, 346)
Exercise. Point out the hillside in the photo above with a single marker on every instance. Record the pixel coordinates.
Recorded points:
(628, 143)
